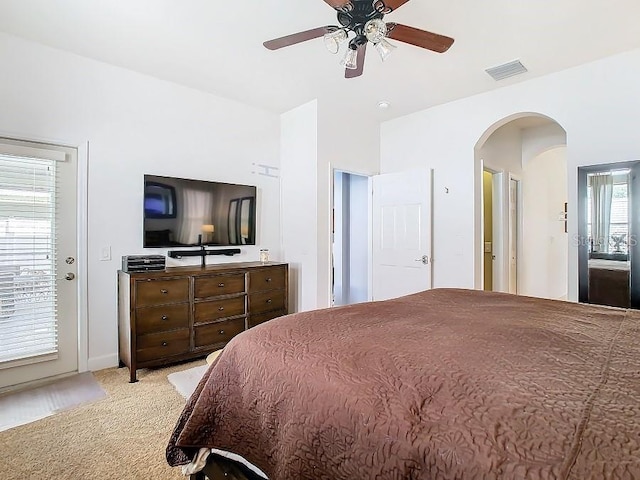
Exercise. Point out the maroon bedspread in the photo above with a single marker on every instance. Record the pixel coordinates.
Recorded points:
(444, 384)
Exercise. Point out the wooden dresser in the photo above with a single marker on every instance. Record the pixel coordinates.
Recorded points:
(182, 313)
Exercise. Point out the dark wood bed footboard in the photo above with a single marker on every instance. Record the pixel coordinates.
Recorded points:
(221, 468)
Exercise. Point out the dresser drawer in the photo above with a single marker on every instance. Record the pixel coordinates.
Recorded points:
(218, 332)
(205, 287)
(272, 278)
(266, 301)
(259, 318)
(157, 292)
(161, 318)
(215, 309)
(160, 345)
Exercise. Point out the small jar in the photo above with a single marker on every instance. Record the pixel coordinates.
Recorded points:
(264, 255)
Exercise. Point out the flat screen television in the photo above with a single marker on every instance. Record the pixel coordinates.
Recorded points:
(180, 212)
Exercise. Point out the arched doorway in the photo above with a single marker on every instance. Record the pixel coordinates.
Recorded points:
(514, 157)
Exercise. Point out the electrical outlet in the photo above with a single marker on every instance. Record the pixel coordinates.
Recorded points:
(105, 253)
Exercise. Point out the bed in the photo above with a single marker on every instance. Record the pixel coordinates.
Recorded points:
(443, 384)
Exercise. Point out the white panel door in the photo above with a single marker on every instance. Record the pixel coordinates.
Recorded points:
(38, 253)
(401, 233)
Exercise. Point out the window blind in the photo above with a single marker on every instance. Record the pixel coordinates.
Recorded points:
(28, 300)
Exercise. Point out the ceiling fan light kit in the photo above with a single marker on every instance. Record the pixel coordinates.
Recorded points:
(350, 59)
(384, 48)
(364, 19)
(333, 40)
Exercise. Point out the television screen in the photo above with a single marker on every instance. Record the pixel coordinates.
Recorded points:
(180, 212)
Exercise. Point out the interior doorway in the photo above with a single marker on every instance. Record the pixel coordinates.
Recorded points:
(526, 155)
(350, 234)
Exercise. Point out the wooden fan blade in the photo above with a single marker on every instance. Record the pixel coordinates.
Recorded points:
(390, 5)
(340, 4)
(299, 37)
(353, 73)
(419, 38)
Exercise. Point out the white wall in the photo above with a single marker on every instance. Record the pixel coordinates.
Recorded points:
(598, 105)
(317, 138)
(345, 142)
(537, 140)
(502, 152)
(543, 260)
(299, 195)
(134, 125)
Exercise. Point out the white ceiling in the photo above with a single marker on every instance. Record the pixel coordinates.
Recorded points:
(217, 47)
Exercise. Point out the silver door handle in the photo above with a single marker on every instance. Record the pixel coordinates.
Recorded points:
(424, 259)
(69, 276)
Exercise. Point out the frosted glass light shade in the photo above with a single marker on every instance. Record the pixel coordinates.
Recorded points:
(350, 59)
(333, 40)
(375, 30)
(384, 48)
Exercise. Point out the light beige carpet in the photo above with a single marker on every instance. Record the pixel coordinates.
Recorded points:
(122, 436)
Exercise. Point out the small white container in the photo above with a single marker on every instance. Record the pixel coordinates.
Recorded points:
(264, 255)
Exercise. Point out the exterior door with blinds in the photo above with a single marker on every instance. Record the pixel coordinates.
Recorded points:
(38, 251)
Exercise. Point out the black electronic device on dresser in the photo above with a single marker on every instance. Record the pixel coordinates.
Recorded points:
(143, 263)
(181, 313)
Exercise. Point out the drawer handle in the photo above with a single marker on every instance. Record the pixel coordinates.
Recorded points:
(221, 309)
(268, 279)
(221, 332)
(269, 301)
(164, 317)
(164, 344)
(221, 285)
(164, 291)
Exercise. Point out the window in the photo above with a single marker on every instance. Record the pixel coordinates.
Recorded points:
(28, 310)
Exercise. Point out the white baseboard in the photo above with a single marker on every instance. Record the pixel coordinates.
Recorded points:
(105, 361)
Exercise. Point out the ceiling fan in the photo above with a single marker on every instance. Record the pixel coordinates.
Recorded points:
(363, 19)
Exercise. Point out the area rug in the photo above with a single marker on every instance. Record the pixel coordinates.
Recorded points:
(186, 381)
(26, 406)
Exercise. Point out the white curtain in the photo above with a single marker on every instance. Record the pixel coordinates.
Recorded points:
(197, 209)
(601, 196)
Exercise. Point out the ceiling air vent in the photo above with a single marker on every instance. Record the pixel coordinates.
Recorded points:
(507, 70)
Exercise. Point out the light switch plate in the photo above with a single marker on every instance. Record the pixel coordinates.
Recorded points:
(105, 253)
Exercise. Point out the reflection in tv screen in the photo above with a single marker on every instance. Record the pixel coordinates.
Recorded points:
(183, 213)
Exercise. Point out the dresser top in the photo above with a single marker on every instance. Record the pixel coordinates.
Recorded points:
(197, 269)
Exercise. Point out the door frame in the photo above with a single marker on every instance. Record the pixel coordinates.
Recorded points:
(634, 225)
(82, 202)
(518, 229)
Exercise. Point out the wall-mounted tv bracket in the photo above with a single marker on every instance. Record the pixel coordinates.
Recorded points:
(203, 253)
